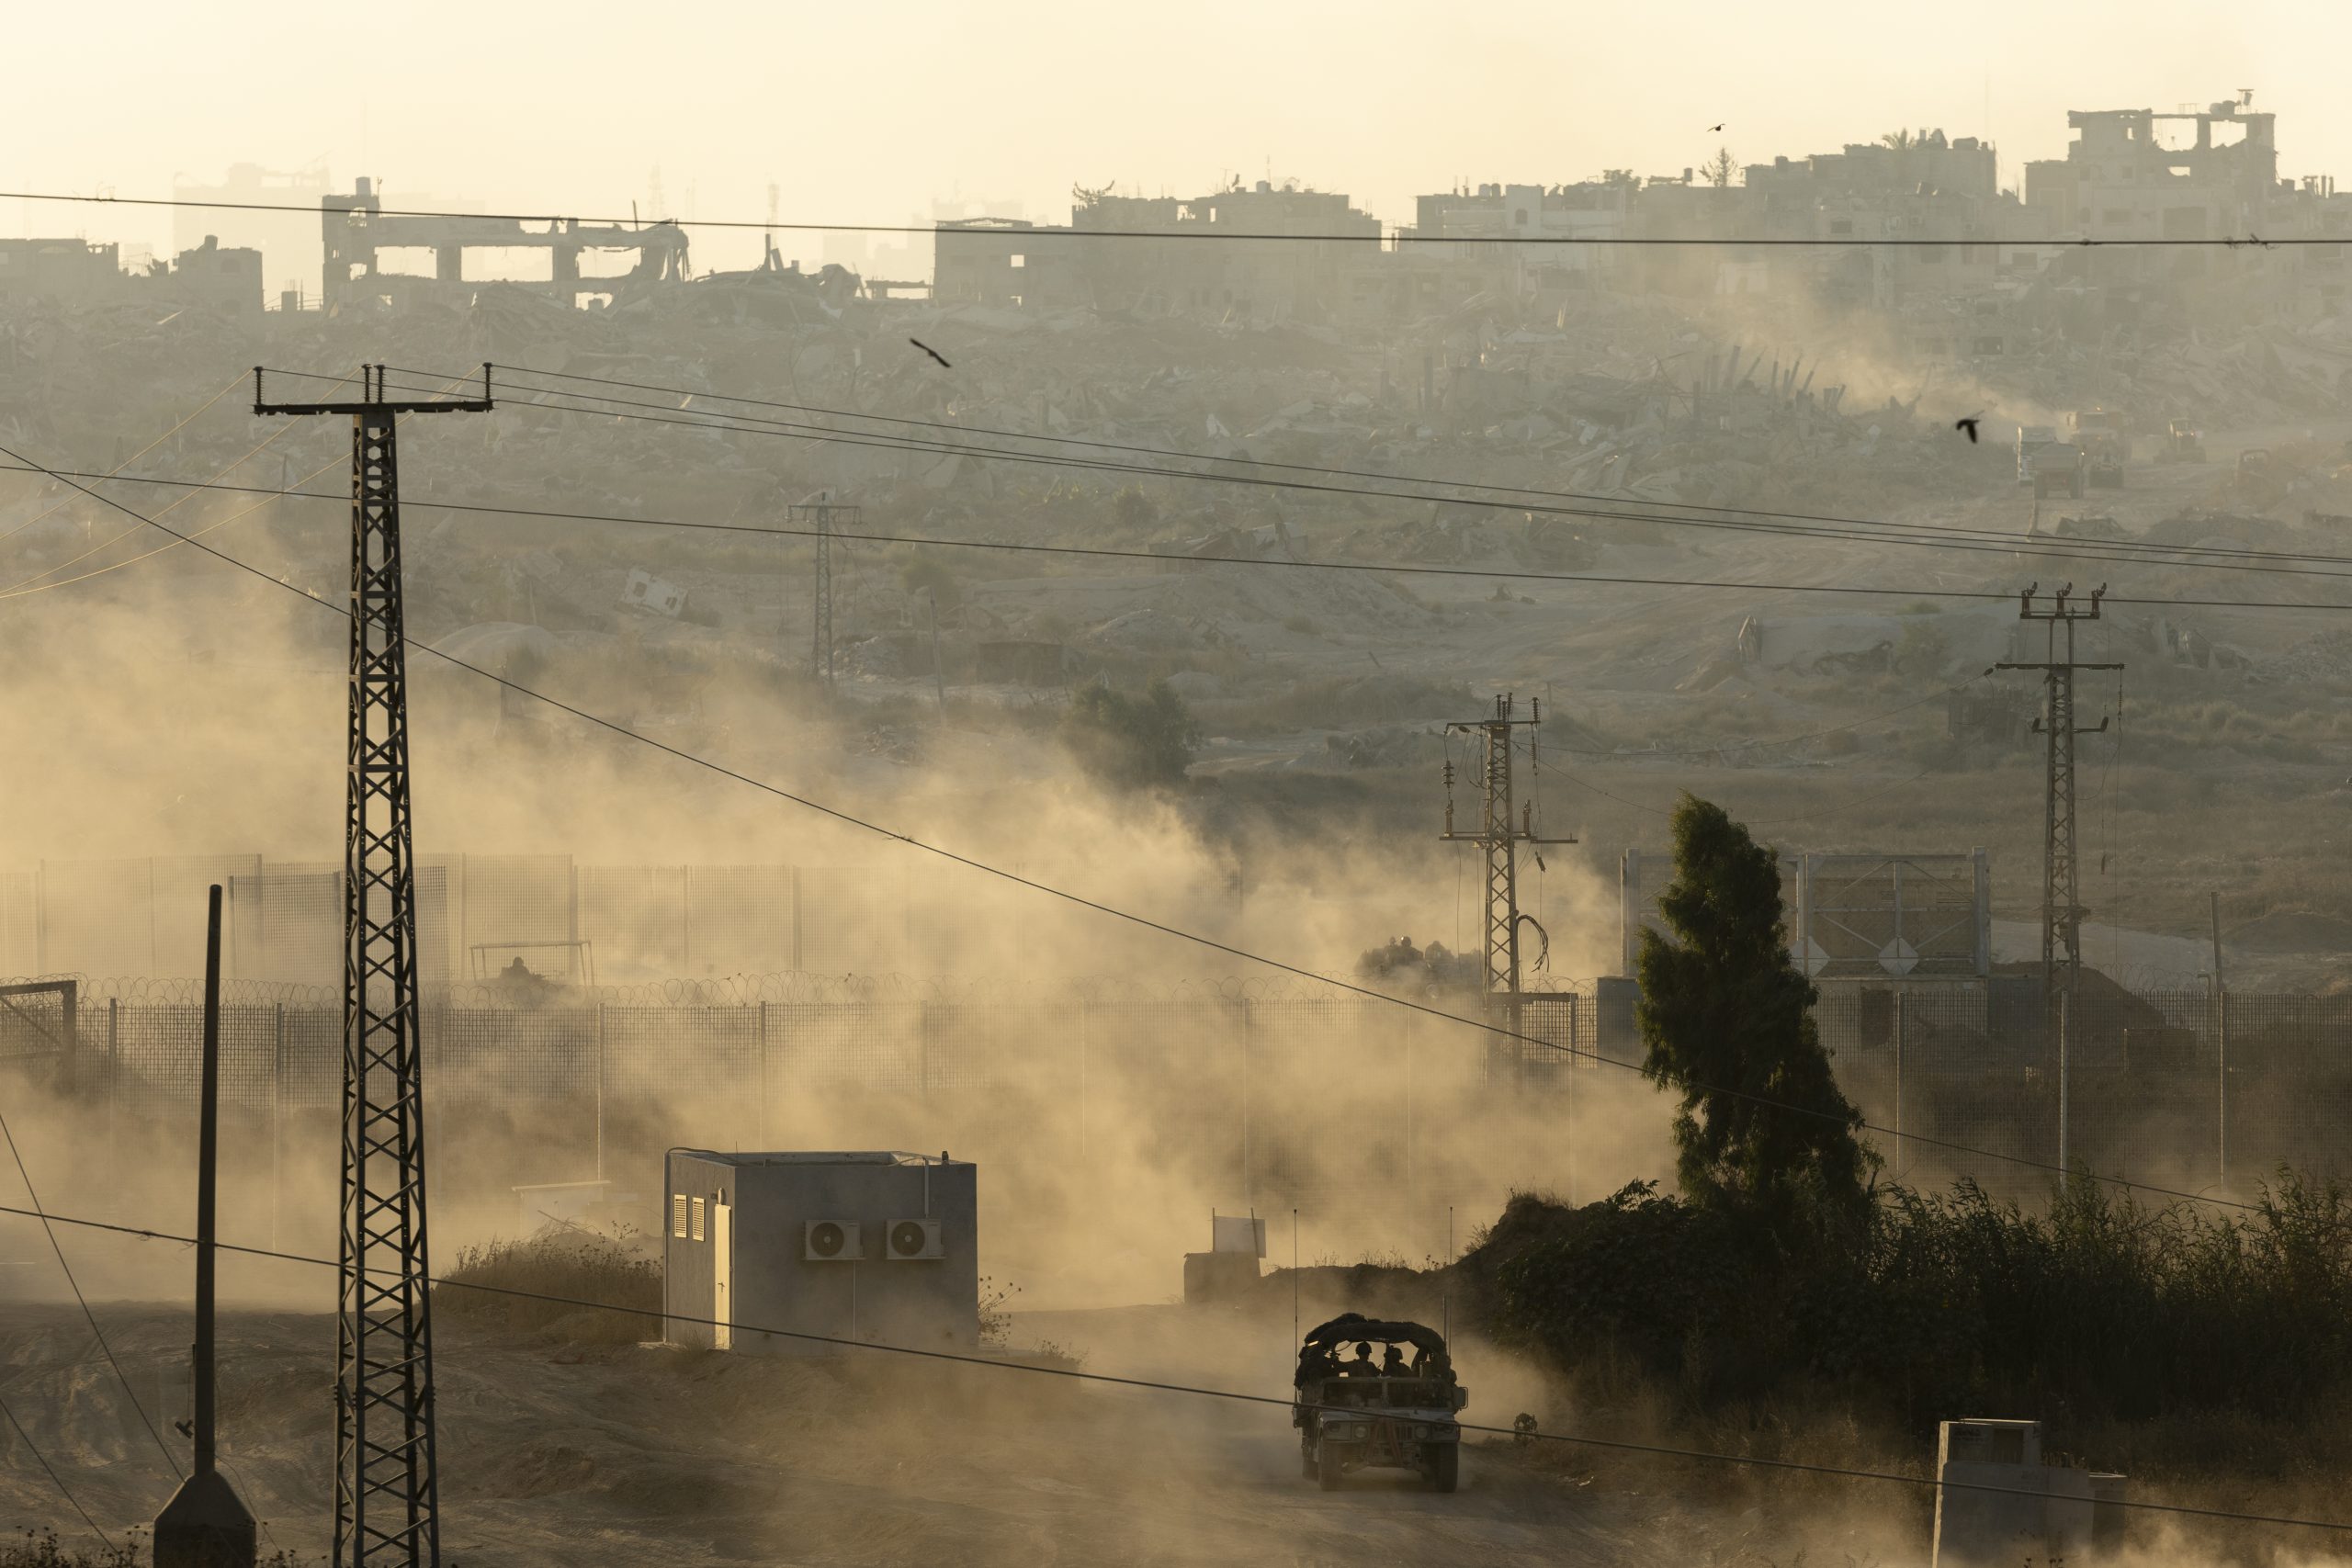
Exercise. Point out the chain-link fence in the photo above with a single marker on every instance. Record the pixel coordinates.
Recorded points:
(2196, 1090)
(1374, 1118)
(1370, 1118)
(477, 915)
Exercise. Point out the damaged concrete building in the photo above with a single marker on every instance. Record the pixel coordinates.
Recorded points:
(572, 262)
(1311, 240)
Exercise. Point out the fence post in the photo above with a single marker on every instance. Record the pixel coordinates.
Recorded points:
(765, 1122)
(1899, 1042)
(277, 1118)
(2221, 1095)
(1246, 1017)
(2065, 1043)
(114, 1072)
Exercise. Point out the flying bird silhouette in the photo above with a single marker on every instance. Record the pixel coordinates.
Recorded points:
(1968, 425)
(1713, 127)
(932, 352)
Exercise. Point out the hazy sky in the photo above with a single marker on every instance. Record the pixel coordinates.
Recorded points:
(867, 113)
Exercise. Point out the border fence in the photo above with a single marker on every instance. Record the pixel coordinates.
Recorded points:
(1287, 1093)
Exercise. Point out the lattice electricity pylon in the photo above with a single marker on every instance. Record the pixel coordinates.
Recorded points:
(2062, 904)
(1500, 836)
(386, 1492)
(820, 517)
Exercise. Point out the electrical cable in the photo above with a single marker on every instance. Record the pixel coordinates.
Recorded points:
(1921, 530)
(226, 468)
(1740, 521)
(1101, 552)
(34, 585)
(174, 430)
(56, 1479)
(33, 1196)
(850, 818)
(1155, 1385)
(2106, 551)
(1379, 236)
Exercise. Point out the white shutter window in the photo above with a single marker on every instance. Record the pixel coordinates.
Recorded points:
(678, 1215)
(699, 1231)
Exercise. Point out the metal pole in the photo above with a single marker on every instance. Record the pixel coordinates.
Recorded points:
(276, 1119)
(600, 1092)
(208, 1184)
(2221, 1050)
(1899, 1083)
(114, 1070)
(2221, 1116)
(2065, 1044)
(204, 1525)
(1245, 1103)
(938, 671)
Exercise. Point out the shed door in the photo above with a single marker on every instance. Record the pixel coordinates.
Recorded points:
(722, 1276)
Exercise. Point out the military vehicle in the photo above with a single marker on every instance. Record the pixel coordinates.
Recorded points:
(2060, 470)
(2184, 443)
(1377, 1395)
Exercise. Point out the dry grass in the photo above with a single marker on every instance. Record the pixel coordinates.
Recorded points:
(548, 1276)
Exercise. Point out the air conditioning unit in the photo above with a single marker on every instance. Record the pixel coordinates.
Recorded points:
(831, 1241)
(912, 1240)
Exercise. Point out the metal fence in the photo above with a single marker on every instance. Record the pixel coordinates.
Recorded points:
(1374, 1118)
(476, 915)
(2197, 1091)
(1368, 1117)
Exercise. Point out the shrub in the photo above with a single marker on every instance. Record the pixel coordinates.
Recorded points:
(2100, 1309)
(567, 1266)
(1132, 742)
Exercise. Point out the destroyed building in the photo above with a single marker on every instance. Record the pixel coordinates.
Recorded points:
(366, 247)
(993, 261)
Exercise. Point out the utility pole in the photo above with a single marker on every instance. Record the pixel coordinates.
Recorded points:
(2062, 906)
(386, 1491)
(1499, 835)
(205, 1525)
(819, 515)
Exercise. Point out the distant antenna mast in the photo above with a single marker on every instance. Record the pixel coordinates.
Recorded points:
(773, 262)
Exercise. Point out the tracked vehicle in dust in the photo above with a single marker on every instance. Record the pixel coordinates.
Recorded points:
(1377, 1395)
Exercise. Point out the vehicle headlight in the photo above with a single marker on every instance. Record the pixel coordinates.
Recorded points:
(1343, 1433)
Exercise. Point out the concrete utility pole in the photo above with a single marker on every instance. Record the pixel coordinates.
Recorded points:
(1499, 835)
(386, 1491)
(820, 515)
(2062, 908)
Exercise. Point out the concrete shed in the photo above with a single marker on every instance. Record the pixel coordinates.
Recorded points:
(879, 1247)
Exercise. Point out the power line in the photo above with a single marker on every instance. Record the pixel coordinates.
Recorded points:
(33, 1196)
(2027, 547)
(174, 430)
(1383, 237)
(55, 1480)
(1155, 1385)
(1509, 574)
(850, 818)
(1924, 530)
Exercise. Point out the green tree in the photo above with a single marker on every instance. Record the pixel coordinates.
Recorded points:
(1727, 1019)
(1132, 742)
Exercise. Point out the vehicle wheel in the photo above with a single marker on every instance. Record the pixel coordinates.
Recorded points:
(1445, 1467)
(1327, 1468)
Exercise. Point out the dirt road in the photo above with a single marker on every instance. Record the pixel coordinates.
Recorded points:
(556, 1453)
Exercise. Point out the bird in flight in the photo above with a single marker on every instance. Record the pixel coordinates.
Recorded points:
(932, 352)
(1711, 130)
(1968, 425)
